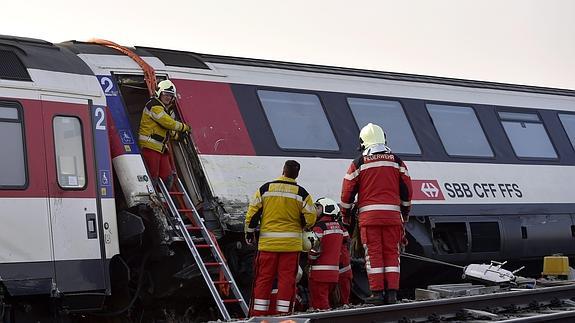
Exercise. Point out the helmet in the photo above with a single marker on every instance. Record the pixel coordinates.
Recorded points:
(328, 206)
(309, 240)
(370, 135)
(166, 86)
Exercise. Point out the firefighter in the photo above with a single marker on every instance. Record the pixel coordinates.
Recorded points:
(383, 186)
(156, 127)
(323, 262)
(281, 208)
(345, 272)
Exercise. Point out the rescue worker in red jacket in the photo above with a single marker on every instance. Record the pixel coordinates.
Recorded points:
(157, 125)
(345, 273)
(324, 263)
(281, 208)
(381, 181)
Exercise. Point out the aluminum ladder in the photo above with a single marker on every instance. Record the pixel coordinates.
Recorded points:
(208, 243)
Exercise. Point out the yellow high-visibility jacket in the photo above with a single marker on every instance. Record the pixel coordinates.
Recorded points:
(281, 208)
(155, 126)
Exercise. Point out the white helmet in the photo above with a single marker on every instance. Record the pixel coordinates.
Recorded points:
(309, 240)
(166, 86)
(370, 135)
(328, 206)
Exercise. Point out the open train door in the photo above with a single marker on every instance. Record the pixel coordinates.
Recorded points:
(77, 239)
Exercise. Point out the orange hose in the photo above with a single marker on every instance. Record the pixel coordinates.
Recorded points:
(149, 73)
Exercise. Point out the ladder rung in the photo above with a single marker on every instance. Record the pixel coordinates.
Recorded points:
(190, 227)
(212, 264)
(222, 282)
(185, 210)
(232, 300)
(204, 246)
(176, 193)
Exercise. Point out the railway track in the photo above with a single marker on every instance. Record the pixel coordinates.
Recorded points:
(549, 304)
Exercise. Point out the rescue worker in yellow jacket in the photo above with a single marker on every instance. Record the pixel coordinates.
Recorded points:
(156, 127)
(282, 209)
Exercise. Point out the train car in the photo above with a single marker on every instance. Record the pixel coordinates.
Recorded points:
(490, 163)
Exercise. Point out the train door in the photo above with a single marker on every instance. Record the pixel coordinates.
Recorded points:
(73, 198)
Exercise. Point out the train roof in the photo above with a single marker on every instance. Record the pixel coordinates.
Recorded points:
(17, 54)
(39, 54)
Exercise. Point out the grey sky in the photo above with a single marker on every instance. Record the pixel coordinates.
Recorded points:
(512, 41)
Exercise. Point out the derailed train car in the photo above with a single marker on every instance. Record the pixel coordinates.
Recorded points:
(491, 165)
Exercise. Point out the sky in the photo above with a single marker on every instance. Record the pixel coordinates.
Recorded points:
(511, 41)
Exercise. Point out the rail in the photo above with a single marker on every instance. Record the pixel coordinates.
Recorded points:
(533, 305)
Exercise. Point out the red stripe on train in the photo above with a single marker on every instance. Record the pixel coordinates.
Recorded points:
(210, 108)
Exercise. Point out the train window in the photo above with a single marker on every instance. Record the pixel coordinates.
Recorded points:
(568, 121)
(12, 163)
(298, 120)
(390, 116)
(459, 130)
(69, 152)
(527, 135)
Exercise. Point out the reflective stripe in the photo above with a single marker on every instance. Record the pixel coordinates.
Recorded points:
(346, 234)
(255, 201)
(283, 303)
(378, 270)
(379, 207)
(324, 267)
(283, 309)
(261, 307)
(326, 232)
(274, 291)
(260, 301)
(404, 171)
(391, 269)
(345, 205)
(280, 235)
(344, 269)
(157, 115)
(405, 203)
(153, 114)
(309, 208)
(283, 194)
(250, 229)
(150, 139)
(351, 176)
(379, 164)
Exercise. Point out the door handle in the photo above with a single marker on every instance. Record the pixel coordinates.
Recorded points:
(91, 226)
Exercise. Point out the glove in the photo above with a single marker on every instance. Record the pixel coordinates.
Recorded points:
(250, 238)
(403, 243)
(345, 218)
(405, 213)
(175, 135)
(185, 128)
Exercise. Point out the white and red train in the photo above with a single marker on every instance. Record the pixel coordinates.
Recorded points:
(492, 164)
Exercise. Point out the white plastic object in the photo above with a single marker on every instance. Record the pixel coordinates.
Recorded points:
(492, 273)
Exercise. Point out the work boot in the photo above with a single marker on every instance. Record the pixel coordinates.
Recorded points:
(390, 296)
(376, 298)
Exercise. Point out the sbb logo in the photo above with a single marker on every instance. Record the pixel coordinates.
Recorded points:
(426, 190)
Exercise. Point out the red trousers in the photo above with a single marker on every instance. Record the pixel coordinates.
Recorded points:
(158, 164)
(268, 267)
(344, 288)
(381, 244)
(319, 292)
